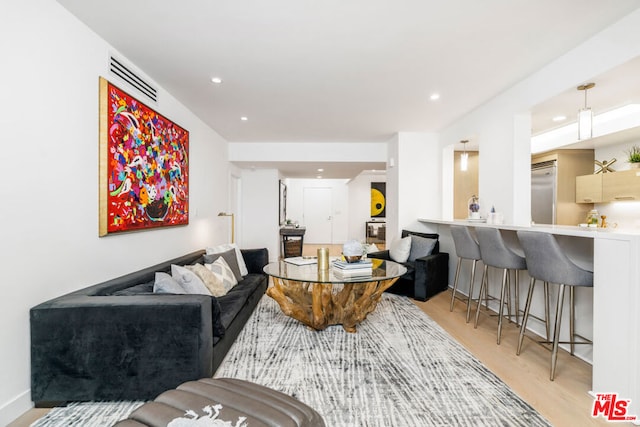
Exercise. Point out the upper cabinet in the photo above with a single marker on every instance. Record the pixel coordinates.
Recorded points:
(623, 185)
(589, 188)
(608, 187)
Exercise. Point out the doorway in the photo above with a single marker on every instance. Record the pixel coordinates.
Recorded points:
(318, 215)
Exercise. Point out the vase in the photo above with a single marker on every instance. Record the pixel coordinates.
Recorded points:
(634, 165)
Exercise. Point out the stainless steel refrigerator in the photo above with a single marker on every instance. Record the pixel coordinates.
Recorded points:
(543, 192)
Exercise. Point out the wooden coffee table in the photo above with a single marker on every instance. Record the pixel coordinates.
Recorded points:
(320, 299)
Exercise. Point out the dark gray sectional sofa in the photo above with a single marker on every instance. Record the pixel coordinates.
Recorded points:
(119, 341)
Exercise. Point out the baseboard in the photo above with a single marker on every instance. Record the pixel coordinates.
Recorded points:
(14, 408)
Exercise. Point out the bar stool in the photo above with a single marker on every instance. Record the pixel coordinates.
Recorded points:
(495, 253)
(466, 248)
(546, 261)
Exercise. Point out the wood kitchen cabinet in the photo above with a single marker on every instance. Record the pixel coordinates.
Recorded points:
(608, 187)
(589, 188)
(622, 185)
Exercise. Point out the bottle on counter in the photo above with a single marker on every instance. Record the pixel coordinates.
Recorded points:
(593, 218)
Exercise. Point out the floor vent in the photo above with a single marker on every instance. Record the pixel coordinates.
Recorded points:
(133, 79)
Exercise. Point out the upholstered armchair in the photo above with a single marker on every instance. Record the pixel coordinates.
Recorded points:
(427, 268)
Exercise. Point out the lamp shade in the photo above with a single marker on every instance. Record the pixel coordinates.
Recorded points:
(464, 161)
(585, 124)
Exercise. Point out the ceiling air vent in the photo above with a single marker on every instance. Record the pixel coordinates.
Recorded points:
(117, 68)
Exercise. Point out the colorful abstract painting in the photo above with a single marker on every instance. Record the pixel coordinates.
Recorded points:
(144, 165)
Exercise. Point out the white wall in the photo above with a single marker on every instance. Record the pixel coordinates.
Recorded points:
(260, 211)
(360, 203)
(49, 215)
(307, 152)
(414, 183)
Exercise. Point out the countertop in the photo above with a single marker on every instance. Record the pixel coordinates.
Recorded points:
(560, 230)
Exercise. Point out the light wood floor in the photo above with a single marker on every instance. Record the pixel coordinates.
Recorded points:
(564, 401)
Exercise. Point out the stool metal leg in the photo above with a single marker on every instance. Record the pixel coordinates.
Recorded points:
(517, 286)
(523, 327)
(502, 298)
(556, 331)
(455, 283)
(509, 295)
(572, 315)
(473, 275)
(546, 308)
(483, 288)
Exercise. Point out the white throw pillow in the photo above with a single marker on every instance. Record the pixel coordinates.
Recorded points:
(370, 248)
(224, 272)
(223, 248)
(189, 281)
(400, 249)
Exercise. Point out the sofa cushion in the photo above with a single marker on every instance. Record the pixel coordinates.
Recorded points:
(421, 247)
(165, 284)
(234, 300)
(400, 249)
(230, 258)
(188, 280)
(223, 271)
(216, 317)
(141, 289)
(239, 257)
(211, 280)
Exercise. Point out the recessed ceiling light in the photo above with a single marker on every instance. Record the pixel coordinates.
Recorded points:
(244, 118)
(559, 118)
(216, 80)
(434, 96)
(319, 176)
(320, 170)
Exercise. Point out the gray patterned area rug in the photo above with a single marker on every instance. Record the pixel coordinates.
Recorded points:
(400, 369)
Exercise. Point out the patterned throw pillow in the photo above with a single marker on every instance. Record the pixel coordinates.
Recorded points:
(223, 248)
(210, 280)
(230, 258)
(188, 280)
(223, 271)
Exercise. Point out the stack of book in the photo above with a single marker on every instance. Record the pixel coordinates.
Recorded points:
(348, 270)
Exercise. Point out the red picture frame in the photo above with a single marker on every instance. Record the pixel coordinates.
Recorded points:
(144, 165)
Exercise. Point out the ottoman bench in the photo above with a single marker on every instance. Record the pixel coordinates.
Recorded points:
(238, 402)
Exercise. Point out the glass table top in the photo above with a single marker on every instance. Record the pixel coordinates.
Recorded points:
(382, 270)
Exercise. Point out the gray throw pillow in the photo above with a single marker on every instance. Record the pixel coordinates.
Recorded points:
(230, 258)
(421, 247)
(189, 281)
(165, 284)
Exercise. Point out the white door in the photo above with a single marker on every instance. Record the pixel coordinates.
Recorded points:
(317, 211)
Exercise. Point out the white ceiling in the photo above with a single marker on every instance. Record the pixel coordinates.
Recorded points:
(341, 70)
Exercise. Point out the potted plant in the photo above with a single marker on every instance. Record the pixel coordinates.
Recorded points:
(633, 156)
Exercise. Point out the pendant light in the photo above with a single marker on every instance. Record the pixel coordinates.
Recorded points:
(585, 115)
(464, 157)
